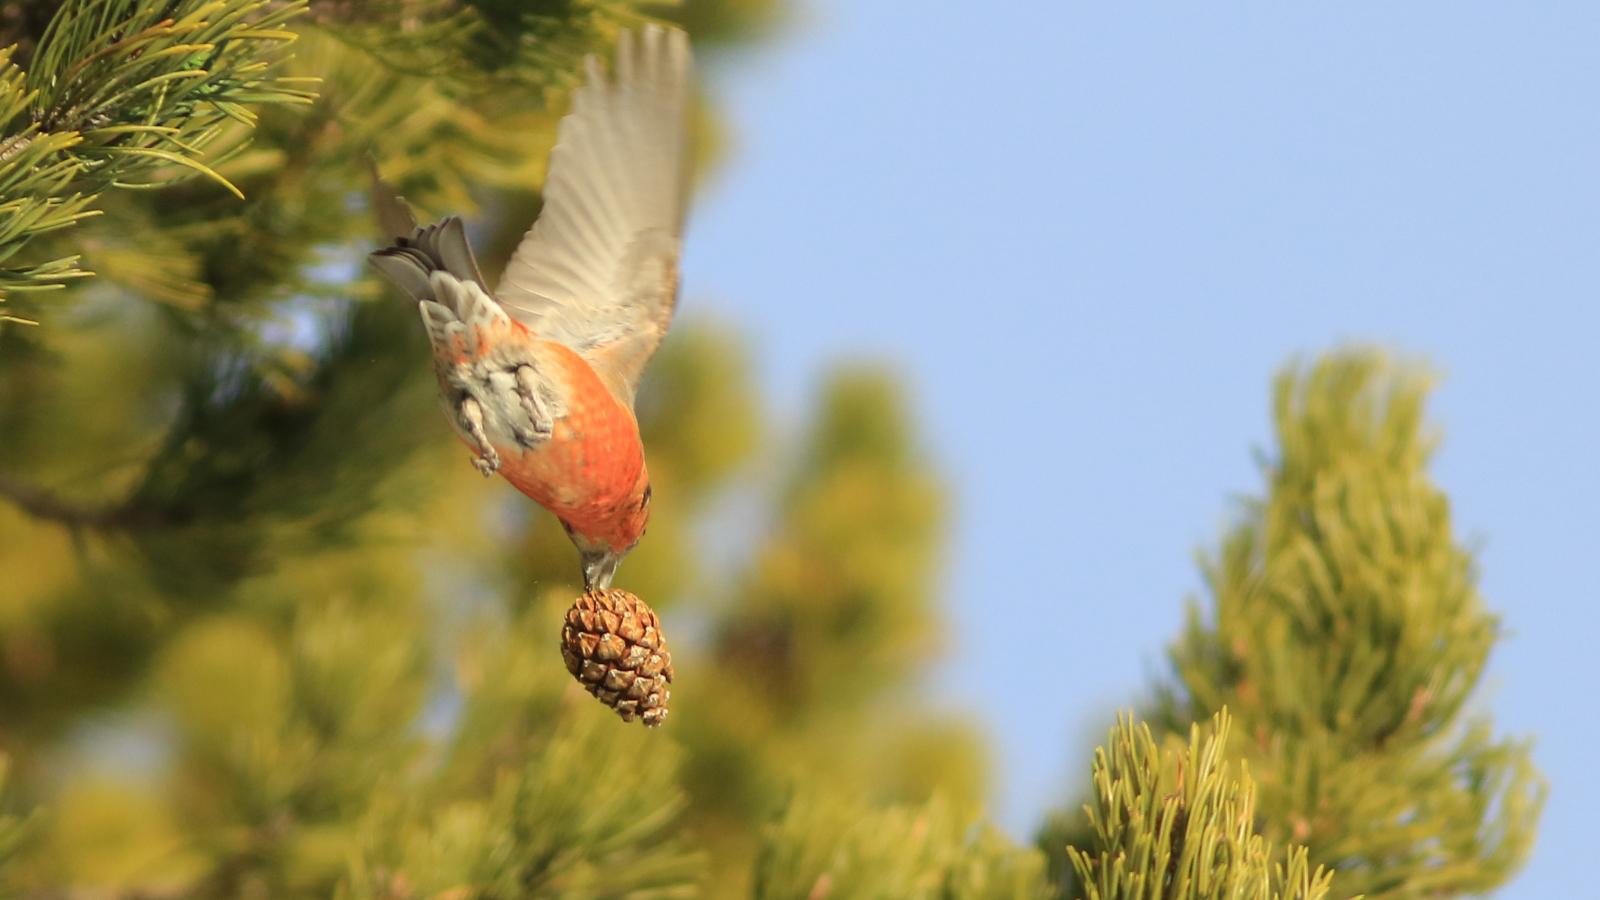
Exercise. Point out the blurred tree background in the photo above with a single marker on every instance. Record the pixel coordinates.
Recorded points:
(265, 633)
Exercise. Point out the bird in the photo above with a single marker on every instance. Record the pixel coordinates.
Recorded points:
(538, 376)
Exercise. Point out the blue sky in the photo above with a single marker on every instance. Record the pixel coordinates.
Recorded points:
(1089, 232)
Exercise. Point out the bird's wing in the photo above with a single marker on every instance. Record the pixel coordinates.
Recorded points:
(599, 269)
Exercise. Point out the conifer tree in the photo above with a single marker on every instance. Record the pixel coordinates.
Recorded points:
(1346, 636)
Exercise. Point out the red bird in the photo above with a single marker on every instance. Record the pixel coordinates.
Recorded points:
(538, 377)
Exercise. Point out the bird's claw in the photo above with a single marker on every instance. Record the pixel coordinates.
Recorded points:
(533, 404)
(488, 460)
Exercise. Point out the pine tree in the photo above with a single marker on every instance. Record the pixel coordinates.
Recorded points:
(1180, 826)
(1346, 636)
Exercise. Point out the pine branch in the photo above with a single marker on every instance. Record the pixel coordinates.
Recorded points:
(826, 847)
(586, 811)
(50, 506)
(1181, 827)
(120, 93)
(479, 46)
(47, 505)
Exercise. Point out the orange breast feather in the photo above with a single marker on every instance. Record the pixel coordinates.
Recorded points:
(592, 462)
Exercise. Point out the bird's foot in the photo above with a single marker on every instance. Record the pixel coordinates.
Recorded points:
(488, 460)
(533, 404)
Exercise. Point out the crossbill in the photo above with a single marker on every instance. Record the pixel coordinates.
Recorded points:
(538, 376)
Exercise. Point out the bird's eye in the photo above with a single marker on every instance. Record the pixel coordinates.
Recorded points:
(645, 500)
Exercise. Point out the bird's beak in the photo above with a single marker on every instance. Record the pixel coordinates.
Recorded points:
(599, 566)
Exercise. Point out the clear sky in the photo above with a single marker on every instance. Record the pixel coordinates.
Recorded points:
(1089, 232)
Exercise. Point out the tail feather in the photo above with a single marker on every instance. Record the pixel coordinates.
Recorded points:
(445, 331)
(411, 261)
(395, 219)
(414, 254)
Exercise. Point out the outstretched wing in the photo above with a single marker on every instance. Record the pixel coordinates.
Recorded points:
(599, 269)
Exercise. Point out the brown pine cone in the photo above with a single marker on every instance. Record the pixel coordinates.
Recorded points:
(612, 644)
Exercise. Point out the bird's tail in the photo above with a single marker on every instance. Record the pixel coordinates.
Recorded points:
(413, 254)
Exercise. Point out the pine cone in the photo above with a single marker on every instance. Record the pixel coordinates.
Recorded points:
(612, 644)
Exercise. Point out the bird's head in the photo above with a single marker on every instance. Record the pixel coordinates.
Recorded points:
(603, 542)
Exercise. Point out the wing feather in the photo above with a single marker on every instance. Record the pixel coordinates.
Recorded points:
(598, 270)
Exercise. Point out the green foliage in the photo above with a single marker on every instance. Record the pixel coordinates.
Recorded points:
(839, 603)
(725, 21)
(1347, 637)
(815, 655)
(122, 93)
(587, 814)
(839, 850)
(138, 82)
(14, 831)
(481, 45)
(1181, 827)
